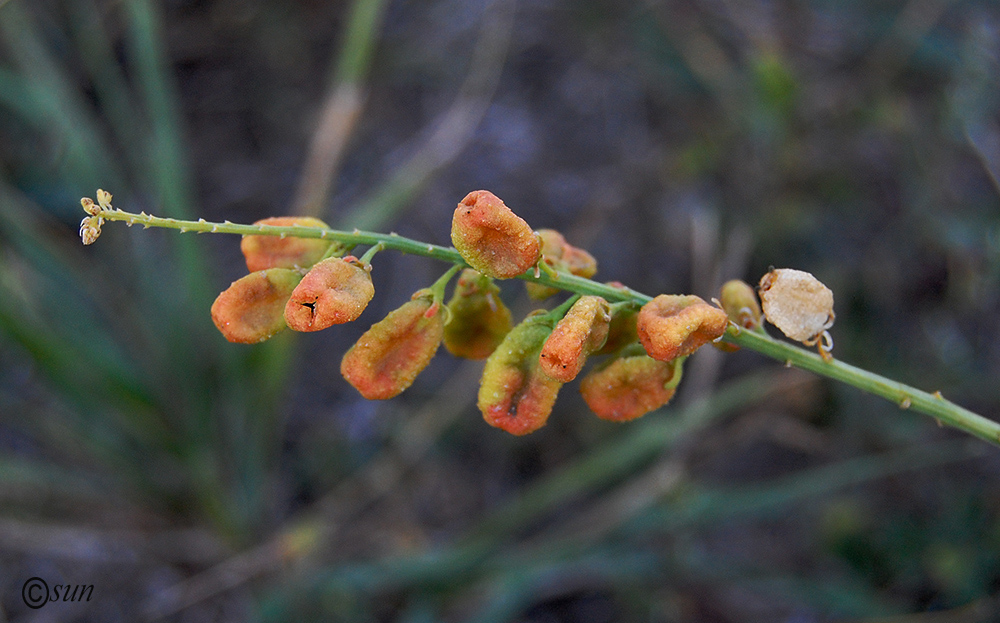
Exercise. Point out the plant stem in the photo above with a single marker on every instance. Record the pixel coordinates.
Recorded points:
(935, 405)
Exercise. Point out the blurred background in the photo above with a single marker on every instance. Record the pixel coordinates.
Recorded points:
(683, 142)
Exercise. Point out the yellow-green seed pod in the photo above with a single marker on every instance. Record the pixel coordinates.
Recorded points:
(251, 310)
(479, 319)
(515, 394)
(739, 301)
(491, 238)
(674, 325)
(631, 387)
(581, 331)
(389, 356)
(562, 257)
(262, 252)
(334, 291)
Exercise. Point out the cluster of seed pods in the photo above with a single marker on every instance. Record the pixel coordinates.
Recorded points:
(306, 285)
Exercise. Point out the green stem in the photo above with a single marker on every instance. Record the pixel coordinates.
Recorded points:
(438, 287)
(935, 405)
(366, 259)
(557, 313)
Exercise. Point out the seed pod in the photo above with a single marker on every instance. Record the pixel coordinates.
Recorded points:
(621, 332)
(334, 291)
(262, 252)
(491, 238)
(739, 301)
(581, 331)
(90, 207)
(104, 199)
(797, 303)
(390, 355)
(479, 318)
(515, 394)
(672, 326)
(630, 387)
(561, 256)
(252, 309)
(90, 229)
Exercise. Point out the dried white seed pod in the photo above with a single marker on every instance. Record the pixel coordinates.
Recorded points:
(798, 304)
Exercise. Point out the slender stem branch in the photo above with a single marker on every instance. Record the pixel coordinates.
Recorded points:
(935, 405)
(370, 253)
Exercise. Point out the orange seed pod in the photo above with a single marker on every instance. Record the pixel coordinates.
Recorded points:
(630, 387)
(581, 331)
(491, 238)
(262, 252)
(479, 318)
(514, 393)
(336, 290)
(561, 256)
(252, 309)
(674, 325)
(389, 356)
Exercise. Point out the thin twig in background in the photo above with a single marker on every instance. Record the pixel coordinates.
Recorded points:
(450, 133)
(341, 108)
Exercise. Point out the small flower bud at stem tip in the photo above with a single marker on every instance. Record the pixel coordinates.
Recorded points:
(104, 199)
(90, 229)
(89, 207)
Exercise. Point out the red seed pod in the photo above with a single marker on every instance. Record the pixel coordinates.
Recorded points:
(515, 394)
(334, 291)
(252, 309)
(674, 325)
(479, 318)
(581, 331)
(390, 355)
(630, 387)
(562, 257)
(262, 252)
(491, 238)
